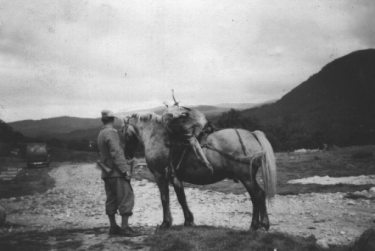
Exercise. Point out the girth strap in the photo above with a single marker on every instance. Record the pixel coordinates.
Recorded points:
(255, 136)
(242, 144)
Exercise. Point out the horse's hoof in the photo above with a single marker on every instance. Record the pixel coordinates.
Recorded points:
(165, 225)
(157, 229)
(265, 225)
(189, 224)
(253, 228)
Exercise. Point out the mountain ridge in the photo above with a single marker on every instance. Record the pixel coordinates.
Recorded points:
(73, 127)
(337, 101)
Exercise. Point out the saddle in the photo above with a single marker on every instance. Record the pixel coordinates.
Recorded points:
(178, 150)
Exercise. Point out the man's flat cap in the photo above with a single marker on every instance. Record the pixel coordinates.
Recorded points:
(108, 114)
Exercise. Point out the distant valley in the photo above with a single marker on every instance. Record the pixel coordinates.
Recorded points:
(69, 128)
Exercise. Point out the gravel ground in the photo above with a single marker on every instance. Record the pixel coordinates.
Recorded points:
(77, 202)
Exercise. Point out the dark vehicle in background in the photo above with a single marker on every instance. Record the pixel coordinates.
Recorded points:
(37, 154)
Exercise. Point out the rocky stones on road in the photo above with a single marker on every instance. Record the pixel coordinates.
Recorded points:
(78, 201)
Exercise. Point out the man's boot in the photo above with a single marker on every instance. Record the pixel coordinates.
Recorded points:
(127, 231)
(114, 229)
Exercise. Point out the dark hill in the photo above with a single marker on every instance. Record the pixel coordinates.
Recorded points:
(338, 101)
(70, 128)
(46, 128)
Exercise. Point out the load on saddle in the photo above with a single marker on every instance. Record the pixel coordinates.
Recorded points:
(187, 128)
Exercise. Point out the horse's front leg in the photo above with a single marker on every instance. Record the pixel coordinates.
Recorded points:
(180, 192)
(162, 183)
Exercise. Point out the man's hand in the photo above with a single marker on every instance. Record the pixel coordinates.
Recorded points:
(127, 175)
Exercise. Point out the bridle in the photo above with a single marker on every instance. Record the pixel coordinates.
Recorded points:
(125, 127)
(124, 131)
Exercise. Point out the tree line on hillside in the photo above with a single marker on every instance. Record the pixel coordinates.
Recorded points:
(10, 139)
(7, 135)
(288, 135)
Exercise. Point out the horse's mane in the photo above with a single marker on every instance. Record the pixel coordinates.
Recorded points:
(147, 116)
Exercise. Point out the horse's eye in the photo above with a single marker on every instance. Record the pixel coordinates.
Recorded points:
(184, 114)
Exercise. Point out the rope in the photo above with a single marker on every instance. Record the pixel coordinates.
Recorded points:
(244, 152)
(257, 154)
(230, 156)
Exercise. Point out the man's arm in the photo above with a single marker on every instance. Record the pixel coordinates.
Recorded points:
(116, 152)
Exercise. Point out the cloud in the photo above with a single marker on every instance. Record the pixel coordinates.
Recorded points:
(362, 22)
(77, 57)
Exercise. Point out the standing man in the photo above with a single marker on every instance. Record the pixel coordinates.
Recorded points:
(116, 175)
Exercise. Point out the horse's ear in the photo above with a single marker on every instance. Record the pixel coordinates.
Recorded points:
(186, 108)
(175, 102)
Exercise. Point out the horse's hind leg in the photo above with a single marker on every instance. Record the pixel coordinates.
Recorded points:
(180, 192)
(251, 190)
(260, 197)
(162, 183)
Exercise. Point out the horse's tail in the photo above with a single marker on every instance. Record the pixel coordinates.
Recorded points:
(268, 165)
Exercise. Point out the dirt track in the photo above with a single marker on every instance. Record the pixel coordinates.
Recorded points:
(77, 202)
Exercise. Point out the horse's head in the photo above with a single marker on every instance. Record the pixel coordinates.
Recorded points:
(176, 112)
(129, 134)
(183, 120)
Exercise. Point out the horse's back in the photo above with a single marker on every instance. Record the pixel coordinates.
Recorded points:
(234, 141)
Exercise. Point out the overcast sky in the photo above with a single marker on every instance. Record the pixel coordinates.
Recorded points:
(76, 57)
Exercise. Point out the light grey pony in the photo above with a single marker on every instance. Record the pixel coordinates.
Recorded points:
(148, 130)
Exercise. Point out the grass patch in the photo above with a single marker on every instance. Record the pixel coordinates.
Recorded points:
(33, 180)
(67, 155)
(222, 239)
(38, 240)
(362, 155)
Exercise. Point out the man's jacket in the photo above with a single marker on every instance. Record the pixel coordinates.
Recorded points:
(111, 152)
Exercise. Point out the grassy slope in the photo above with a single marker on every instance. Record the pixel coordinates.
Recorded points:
(221, 239)
(338, 101)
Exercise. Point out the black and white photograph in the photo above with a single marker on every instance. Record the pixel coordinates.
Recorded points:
(163, 125)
